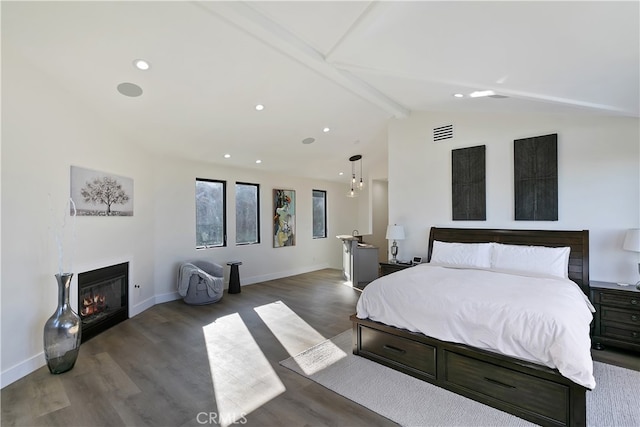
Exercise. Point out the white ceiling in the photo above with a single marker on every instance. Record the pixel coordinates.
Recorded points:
(349, 66)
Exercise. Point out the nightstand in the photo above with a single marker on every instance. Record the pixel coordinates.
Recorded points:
(390, 267)
(617, 316)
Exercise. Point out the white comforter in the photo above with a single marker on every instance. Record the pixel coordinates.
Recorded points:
(538, 319)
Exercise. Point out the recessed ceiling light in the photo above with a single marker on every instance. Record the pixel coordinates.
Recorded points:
(325, 130)
(141, 64)
(481, 93)
(458, 95)
(259, 107)
(258, 161)
(341, 173)
(227, 156)
(129, 89)
(308, 140)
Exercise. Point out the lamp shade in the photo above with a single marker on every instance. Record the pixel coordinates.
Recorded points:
(395, 232)
(632, 240)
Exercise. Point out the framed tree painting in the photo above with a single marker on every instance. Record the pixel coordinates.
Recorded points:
(536, 178)
(284, 218)
(96, 193)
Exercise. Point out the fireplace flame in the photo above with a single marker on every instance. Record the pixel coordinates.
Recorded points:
(93, 304)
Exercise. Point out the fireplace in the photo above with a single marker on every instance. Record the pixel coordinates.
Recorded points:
(103, 298)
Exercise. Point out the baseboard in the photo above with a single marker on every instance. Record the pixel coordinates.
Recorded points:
(281, 274)
(171, 296)
(22, 369)
(140, 307)
(33, 363)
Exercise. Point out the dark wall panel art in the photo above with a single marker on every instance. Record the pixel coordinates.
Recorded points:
(468, 184)
(536, 178)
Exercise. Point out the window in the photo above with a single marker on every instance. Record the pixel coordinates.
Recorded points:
(319, 214)
(211, 219)
(247, 213)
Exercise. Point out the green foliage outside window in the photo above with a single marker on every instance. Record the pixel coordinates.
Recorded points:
(210, 213)
(319, 214)
(247, 213)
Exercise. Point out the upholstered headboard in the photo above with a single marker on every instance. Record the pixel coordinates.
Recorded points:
(578, 241)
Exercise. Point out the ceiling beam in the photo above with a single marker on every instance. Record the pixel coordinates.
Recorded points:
(363, 21)
(254, 23)
(498, 89)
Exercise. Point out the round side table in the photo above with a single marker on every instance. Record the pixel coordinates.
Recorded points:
(234, 277)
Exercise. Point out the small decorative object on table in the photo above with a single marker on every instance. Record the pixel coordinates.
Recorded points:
(62, 332)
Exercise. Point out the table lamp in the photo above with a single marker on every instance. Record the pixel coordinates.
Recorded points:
(632, 243)
(395, 232)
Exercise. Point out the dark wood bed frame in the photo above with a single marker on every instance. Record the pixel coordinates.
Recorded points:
(528, 390)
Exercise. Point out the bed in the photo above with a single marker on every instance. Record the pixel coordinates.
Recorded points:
(515, 382)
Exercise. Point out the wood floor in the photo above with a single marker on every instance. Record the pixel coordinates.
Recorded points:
(181, 365)
(155, 369)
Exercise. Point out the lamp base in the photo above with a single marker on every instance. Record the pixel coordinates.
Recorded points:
(394, 252)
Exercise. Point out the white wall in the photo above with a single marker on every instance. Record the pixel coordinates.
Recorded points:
(598, 179)
(175, 225)
(44, 132)
(380, 200)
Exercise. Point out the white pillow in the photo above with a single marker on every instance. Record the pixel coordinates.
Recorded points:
(476, 255)
(531, 259)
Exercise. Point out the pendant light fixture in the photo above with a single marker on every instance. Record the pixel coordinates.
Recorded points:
(355, 185)
(361, 183)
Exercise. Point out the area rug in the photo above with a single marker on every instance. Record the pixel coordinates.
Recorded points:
(412, 402)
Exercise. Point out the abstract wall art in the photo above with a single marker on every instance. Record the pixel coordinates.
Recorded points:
(284, 218)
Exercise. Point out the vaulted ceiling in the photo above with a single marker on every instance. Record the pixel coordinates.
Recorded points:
(348, 66)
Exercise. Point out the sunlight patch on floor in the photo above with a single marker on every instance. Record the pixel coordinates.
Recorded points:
(243, 379)
(294, 333)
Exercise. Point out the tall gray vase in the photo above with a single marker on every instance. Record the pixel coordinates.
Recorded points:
(62, 331)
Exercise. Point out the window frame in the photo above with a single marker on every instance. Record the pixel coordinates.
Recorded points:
(224, 214)
(258, 233)
(324, 213)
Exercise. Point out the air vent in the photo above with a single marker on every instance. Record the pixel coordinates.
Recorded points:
(443, 132)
